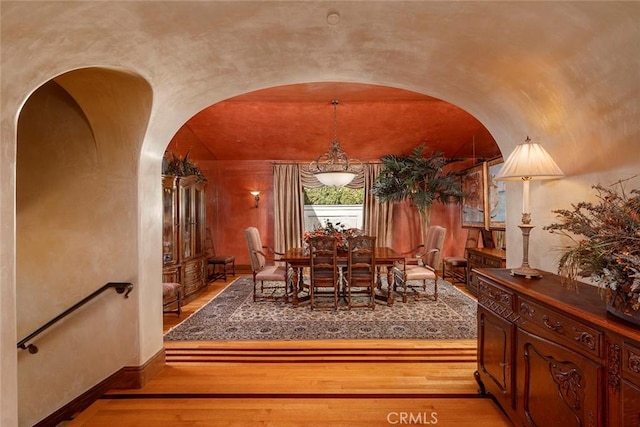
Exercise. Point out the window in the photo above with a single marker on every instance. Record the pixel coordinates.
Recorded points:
(338, 204)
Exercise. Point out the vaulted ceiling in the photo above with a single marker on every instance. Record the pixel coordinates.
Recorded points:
(296, 122)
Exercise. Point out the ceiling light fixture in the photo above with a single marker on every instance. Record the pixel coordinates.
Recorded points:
(333, 18)
(334, 167)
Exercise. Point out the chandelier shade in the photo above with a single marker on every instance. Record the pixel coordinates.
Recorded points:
(334, 167)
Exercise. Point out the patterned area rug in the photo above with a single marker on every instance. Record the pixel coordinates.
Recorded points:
(233, 315)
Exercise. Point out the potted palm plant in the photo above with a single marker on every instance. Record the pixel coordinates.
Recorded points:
(419, 179)
(605, 247)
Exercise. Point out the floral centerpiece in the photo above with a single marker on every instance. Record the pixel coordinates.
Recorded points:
(606, 247)
(339, 231)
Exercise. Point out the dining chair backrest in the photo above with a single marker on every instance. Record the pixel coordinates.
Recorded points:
(433, 246)
(323, 260)
(254, 244)
(361, 261)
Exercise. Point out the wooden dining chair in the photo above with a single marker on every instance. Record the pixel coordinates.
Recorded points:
(427, 267)
(361, 270)
(277, 276)
(456, 263)
(323, 269)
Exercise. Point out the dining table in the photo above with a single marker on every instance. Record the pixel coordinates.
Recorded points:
(298, 258)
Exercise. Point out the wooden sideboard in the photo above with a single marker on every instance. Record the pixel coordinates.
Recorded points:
(554, 357)
(483, 258)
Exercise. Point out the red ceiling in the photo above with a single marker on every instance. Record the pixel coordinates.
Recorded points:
(296, 123)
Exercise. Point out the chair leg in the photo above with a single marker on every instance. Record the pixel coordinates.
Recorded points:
(404, 290)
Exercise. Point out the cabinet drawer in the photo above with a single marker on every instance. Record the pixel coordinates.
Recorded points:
(496, 299)
(192, 275)
(492, 262)
(631, 362)
(474, 258)
(553, 325)
(192, 266)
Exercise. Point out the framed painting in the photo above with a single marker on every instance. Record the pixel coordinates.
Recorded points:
(496, 199)
(474, 198)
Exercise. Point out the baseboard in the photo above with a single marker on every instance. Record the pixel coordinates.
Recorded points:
(129, 377)
(137, 376)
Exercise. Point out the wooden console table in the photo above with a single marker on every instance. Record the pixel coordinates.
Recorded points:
(554, 357)
(483, 258)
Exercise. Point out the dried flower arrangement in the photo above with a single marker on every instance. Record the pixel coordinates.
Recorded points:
(177, 166)
(339, 231)
(609, 250)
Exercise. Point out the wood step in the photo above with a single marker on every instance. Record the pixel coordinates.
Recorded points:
(212, 355)
(289, 352)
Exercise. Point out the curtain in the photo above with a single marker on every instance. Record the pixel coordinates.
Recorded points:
(378, 216)
(288, 206)
(288, 180)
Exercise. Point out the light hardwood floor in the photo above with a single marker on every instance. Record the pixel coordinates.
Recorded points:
(303, 383)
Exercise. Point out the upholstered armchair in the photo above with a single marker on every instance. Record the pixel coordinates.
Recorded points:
(427, 265)
(171, 296)
(277, 276)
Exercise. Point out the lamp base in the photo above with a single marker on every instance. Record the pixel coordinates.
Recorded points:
(527, 272)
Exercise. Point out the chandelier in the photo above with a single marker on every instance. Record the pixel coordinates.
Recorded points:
(334, 167)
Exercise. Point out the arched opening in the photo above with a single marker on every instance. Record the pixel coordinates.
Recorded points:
(235, 142)
(78, 143)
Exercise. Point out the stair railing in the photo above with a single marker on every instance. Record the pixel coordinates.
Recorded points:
(120, 287)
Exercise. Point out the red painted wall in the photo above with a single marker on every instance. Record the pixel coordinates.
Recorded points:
(231, 207)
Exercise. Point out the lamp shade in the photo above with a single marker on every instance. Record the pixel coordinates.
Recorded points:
(529, 160)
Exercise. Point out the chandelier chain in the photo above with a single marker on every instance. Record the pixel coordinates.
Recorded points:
(335, 119)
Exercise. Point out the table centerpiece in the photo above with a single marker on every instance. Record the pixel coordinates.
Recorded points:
(340, 231)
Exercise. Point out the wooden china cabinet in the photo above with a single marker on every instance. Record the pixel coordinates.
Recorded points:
(183, 233)
(553, 356)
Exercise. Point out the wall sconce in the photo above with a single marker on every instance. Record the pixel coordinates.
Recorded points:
(256, 196)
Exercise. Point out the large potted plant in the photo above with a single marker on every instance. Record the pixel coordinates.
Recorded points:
(417, 178)
(605, 247)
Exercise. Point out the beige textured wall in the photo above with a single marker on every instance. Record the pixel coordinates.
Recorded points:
(564, 73)
(75, 218)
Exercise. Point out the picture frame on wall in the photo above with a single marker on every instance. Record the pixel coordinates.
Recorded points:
(496, 196)
(474, 199)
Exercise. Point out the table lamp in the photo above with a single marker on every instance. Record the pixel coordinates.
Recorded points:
(528, 161)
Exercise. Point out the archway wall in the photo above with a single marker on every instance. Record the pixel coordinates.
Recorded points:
(79, 139)
(564, 73)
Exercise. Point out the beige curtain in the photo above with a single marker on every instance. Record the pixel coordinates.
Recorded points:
(288, 181)
(288, 206)
(378, 217)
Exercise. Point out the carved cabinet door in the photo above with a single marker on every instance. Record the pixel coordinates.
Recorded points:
(495, 342)
(557, 386)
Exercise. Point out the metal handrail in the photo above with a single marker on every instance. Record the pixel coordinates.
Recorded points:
(120, 287)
